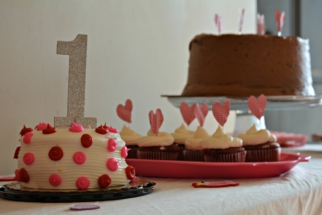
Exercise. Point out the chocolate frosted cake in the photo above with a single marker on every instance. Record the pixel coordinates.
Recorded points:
(244, 65)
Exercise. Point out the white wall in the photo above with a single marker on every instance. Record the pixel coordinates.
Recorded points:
(137, 49)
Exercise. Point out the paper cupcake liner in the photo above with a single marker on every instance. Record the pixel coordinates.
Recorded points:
(158, 155)
(227, 157)
(180, 154)
(133, 152)
(263, 155)
(193, 155)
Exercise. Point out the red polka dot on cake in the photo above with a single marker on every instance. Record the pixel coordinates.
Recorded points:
(111, 145)
(17, 175)
(124, 151)
(55, 153)
(86, 140)
(27, 137)
(112, 164)
(104, 181)
(55, 180)
(130, 172)
(101, 130)
(23, 175)
(28, 158)
(82, 183)
(79, 157)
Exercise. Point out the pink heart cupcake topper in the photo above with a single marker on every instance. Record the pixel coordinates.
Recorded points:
(217, 20)
(221, 112)
(188, 113)
(199, 115)
(156, 120)
(124, 112)
(204, 109)
(279, 18)
(257, 106)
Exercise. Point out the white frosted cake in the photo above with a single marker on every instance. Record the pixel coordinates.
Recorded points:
(72, 158)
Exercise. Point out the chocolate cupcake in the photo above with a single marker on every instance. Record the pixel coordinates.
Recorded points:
(223, 148)
(193, 149)
(180, 135)
(157, 147)
(130, 138)
(261, 145)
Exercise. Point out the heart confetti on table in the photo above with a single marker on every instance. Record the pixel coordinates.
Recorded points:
(188, 113)
(80, 207)
(221, 112)
(156, 120)
(124, 112)
(214, 184)
(257, 106)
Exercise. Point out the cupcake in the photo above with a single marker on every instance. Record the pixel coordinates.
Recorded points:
(180, 135)
(193, 149)
(130, 138)
(221, 147)
(260, 145)
(157, 147)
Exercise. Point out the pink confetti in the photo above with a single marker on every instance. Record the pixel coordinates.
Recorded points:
(221, 112)
(156, 120)
(279, 18)
(124, 112)
(188, 113)
(257, 107)
(260, 24)
(217, 20)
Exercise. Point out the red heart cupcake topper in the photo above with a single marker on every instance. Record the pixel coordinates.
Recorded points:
(221, 112)
(188, 113)
(257, 106)
(124, 112)
(156, 120)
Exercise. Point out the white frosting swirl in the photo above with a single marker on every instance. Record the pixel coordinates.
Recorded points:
(220, 140)
(194, 142)
(255, 137)
(162, 139)
(129, 136)
(181, 134)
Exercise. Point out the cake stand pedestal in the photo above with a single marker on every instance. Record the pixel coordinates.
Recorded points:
(244, 118)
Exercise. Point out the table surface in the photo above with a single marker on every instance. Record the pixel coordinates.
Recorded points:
(297, 192)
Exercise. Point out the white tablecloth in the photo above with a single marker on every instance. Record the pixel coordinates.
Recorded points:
(297, 192)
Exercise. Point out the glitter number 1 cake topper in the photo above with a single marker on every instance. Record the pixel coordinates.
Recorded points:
(257, 106)
(125, 111)
(156, 120)
(76, 50)
(221, 112)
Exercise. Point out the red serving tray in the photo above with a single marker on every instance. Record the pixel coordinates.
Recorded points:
(188, 169)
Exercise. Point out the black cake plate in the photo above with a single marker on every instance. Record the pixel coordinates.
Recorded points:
(14, 192)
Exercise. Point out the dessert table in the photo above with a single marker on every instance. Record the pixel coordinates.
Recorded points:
(298, 191)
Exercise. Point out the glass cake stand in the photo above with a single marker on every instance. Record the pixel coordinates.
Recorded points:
(244, 118)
